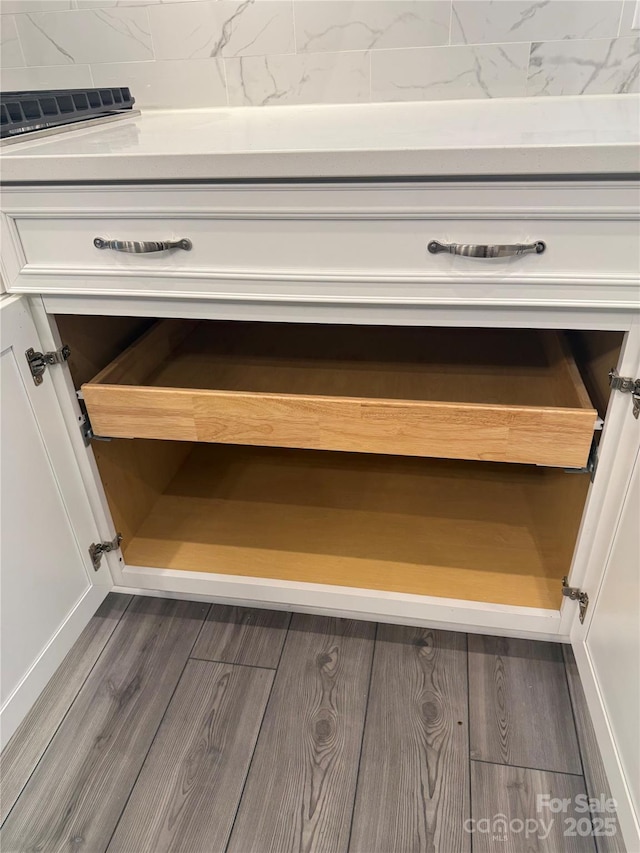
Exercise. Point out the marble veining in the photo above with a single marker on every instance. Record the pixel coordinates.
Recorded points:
(482, 21)
(482, 71)
(365, 25)
(585, 67)
(10, 49)
(187, 52)
(58, 38)
(298, 79)
(216, 28)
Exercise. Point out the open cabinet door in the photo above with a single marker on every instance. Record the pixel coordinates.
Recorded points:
(49, 589)
(607, 644)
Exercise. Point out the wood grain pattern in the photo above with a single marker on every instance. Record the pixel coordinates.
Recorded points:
(594, 773)
(513, 397)
(186, 796)
(502, 795)
(313, 724)
(134, 473)
(565, 374)
(242, 635)
(94, 758)
(413, 785)
(471, 365)
(556, 506)
(596, 353)
(26, 747)
(520, 711)
(158, 343)
(554, 437)
(96, 341)
(452, 529)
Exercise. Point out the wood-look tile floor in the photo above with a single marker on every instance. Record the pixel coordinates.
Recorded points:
(180, 726)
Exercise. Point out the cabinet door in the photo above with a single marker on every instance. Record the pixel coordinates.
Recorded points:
(49, 587)
(607, 645)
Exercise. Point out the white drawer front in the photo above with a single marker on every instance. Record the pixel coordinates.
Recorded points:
(329, 243)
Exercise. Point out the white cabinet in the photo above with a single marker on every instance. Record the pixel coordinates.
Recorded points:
(613, 642)
(261, 250)
(607, 643)
(49, 589)
(202, 519)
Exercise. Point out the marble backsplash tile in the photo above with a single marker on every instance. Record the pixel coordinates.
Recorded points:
(370, 24)
(298, 79)
(10, 7)
(261, 52)
(194, 82)
(200, 30)
(88, 36)
(47, 77)
(468, 71)
(11, 55)
(491, 21)
(589, 67)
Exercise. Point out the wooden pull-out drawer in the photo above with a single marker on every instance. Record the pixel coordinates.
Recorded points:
(484, 394)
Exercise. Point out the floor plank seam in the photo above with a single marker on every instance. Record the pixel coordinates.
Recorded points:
(155, 734)
(526, 767)
(364, 727)
(255, 746)
(66, 713)
(573, 716)
(233, 663)
(597, 841)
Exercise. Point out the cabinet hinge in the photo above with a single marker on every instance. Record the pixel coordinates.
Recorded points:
(97, 549)
(628, 386)
(578, 595)
(38, 361)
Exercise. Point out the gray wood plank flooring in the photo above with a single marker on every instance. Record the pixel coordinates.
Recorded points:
(243, 635)
(594, 773)
(75, 796)
(417, 720)
(26, 747)
(520, 711)
(498, 791)
(313, 724)
(186, 796)
(317, 736)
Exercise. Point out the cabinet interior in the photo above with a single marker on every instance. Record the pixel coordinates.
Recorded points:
(485, 531)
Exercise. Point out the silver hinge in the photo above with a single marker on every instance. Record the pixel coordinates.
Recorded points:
(97, 549)
(628, 386)
(38, 361)
(578, 595)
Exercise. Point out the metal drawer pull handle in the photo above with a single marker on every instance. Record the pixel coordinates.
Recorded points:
(139, 247)
(477, 250)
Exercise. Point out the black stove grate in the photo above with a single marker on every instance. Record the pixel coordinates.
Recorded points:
(22, 112)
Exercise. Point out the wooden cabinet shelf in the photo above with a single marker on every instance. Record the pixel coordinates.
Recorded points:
(466, 530)
(479, 394)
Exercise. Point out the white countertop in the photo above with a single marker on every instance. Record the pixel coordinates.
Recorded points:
(508, 136)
